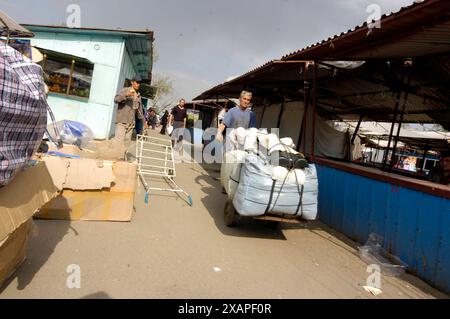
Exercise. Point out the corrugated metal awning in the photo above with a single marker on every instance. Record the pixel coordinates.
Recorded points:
(421, 31)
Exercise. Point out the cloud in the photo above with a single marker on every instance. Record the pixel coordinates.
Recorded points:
(204, 42)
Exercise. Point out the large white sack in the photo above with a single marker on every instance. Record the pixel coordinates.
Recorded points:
(310, 193)
(230, 171)
(257, 193)
(251, 140)
(283, 175)
(296, 176)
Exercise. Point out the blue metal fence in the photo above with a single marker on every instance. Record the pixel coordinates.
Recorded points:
(415, 225)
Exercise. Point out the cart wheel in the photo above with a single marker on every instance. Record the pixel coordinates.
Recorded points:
(229, 214)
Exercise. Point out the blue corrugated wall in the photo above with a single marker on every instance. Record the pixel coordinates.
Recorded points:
(415, 225)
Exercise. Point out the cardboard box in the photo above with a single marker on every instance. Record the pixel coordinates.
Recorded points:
(75, 189)
(13, 251)
(88, 200)
(28, 192)
(81, 174)
(19, 200)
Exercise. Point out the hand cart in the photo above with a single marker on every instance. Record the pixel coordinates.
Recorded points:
(155, 159)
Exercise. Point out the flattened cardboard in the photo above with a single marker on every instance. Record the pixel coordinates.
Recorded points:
(28, 192)
(13, 251)
(126, 175)
(82, 174)
(89, 174)
(115, 204)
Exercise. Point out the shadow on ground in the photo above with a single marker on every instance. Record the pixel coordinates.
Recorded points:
(97, 295)
(248, 227)
(215, 200)
(41, 245)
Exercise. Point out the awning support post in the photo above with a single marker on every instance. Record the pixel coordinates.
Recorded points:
(357, 129)
(394, 118)
(262, 116)
(281, 112)
(72, 67)
(44, 62)
(425, 152)
(302, 135)
(405, 100)
(314, 110)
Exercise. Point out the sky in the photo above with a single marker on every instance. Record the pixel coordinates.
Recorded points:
(202, 43)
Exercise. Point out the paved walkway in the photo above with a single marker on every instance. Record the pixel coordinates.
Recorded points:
(172, 250)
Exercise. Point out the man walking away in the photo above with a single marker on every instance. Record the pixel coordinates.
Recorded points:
(178, 118)
(164, 120)
(152, 119)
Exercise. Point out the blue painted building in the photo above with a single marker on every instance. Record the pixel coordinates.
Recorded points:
(94, 64)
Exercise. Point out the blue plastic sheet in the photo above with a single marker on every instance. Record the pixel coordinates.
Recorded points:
(72, 132)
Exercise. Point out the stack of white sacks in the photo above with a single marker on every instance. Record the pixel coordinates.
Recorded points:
(257, 187)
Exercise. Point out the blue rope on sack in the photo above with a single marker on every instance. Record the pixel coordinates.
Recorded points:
(146, 198)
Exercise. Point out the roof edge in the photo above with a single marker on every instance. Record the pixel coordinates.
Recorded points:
(90, 29)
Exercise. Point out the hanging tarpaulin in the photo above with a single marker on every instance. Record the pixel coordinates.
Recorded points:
(329, 142)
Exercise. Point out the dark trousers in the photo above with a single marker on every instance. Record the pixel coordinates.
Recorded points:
(139, 127)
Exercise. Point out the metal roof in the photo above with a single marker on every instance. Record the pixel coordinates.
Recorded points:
(414, 30)
(211, 104)
(10, 28)
(409, 20)
(64, 57)
(104, 31)
(421, 31)
(139, 43)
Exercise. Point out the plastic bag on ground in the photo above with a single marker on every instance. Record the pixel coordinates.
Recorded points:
(374, 253)
(169, 130)
(72, 132)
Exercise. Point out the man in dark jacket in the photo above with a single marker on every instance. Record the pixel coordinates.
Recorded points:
(164, 121)
(177, 119)
(129, 105)
(152, 119)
